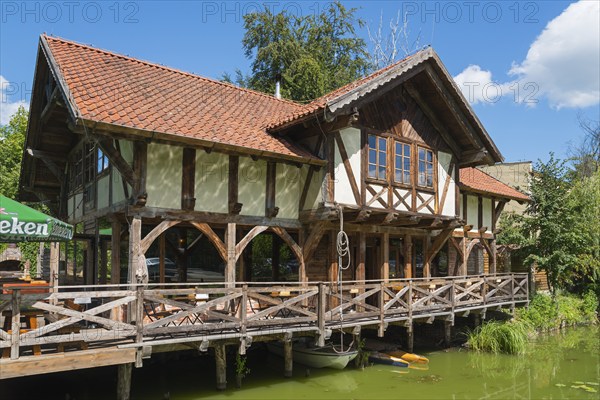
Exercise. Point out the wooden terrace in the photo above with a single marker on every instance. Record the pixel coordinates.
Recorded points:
(72, 327)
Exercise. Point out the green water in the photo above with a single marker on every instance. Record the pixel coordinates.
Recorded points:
(554, 364)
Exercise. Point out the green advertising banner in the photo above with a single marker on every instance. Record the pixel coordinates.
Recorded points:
(19, 223)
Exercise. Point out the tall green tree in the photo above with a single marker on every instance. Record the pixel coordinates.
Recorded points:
(12, 140)
(311, 55)
(560, 230)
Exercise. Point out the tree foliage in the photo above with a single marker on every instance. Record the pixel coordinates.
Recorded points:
(311, 55)
(12, 139)
(560, 230)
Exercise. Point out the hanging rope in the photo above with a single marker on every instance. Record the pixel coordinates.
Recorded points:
(343, 250)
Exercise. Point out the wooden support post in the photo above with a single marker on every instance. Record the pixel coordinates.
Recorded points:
(115, 253)
(463, 267)
(493, 256)
(221, 366)
(103, 262)
(385, 248)
(427, 258)
(362, 254)
(15, 324)
(231, 255)
(408, 256)
(135, 233)
(447, 333)
(321, 307)
(162, 253)
(54, 256)
(409, 338)
(124, 381)
(288, 359)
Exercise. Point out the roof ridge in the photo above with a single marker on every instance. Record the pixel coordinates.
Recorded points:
(362, 80)
(171, 69)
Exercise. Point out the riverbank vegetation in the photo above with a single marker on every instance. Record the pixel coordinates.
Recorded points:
(545, 313)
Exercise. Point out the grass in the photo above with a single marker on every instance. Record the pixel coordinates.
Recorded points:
(544, 313)
(500, 337)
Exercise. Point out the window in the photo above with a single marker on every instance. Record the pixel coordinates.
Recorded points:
(425, 167)
(377, 157)
(402, 163)
(102, 161)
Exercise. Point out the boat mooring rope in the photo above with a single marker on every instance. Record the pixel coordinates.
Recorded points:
(343, 250)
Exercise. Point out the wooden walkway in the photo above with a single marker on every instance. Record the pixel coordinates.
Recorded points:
(87, 326)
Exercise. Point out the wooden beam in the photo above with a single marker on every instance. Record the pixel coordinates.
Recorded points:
(347, 167)
(210, 234)
(232, 255)
(408, 256)
(313, 239)
(117, 160)
(188, 179)
(362, 257)
(154, 234)
(306, 188)
(270, 209)
(431, 115)
(439, 242)
(49, 160)
(233, 182)
(140, 163)
(254, 232)
(456, 111)
(68, 361)
(473, 157)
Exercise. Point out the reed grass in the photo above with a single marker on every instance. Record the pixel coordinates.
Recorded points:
(500, 337)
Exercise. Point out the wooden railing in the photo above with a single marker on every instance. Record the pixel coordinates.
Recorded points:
(112, 316)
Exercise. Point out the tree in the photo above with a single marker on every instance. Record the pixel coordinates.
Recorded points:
(560, 230)
(397, 42)
(12, 140)
(586, 155)
(311, 55)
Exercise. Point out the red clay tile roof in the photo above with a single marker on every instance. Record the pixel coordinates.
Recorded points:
(120, 90)
(478, 181)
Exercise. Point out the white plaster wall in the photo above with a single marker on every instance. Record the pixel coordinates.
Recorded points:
(426, 196)
(126, 150)
(252, 178)
(460, 209)
(449, 206)
(211, 188)
(407, 200)
(487, 213)
(314, 195)
(103, 192)
(163, 180)
(376, 203)
(343, 190)
(287, 190)
(117, 187)
(472, 211)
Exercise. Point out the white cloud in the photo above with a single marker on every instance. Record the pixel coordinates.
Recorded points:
(7, 107)
(562, 65)
(477, 85)
(564, 60)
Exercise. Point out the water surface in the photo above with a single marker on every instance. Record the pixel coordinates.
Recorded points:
(559, 366)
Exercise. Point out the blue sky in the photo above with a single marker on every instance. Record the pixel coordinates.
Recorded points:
(504, 54)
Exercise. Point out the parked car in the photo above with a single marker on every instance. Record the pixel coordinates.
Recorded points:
(153, 264)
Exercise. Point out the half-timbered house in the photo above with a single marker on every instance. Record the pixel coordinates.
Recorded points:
(172, 177)
(158, 153)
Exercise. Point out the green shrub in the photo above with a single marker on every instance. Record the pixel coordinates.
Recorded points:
(589, 306)
(500, 337)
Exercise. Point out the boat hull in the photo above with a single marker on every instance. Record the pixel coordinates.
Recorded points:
(324, 357)
(386, 359)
